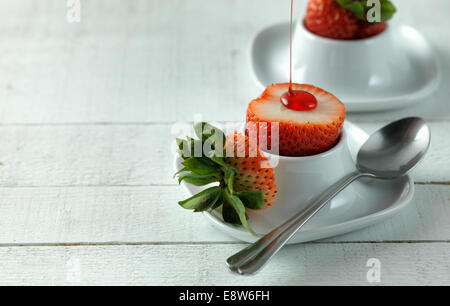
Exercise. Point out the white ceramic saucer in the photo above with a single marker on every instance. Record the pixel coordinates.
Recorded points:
(364, 203)
(391, 70)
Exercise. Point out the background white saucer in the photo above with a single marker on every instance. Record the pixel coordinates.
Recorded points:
(409, 71)
(364, 203)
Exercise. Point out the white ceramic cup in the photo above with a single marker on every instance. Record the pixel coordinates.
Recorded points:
(373, 69)
(343, 65)
(301, 179)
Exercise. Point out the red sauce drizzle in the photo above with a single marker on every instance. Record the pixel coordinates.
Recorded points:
(298, 100)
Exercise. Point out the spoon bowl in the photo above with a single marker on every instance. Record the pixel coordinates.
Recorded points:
(395, 149)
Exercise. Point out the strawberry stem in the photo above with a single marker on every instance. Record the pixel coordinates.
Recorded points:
(211, 167)
(383, 11)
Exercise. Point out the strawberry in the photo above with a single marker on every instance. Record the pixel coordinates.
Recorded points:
(327, 18)
(243, 177)
(254, 170)
(368, 30)
(301, 133)
(346, 19)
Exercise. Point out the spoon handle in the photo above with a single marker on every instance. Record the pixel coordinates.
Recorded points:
(253, 257)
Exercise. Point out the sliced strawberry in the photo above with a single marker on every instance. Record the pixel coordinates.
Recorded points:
(327, 18)
(254, 170)
(301, 133)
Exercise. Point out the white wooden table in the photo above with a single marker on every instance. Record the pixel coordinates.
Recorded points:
(86, 112)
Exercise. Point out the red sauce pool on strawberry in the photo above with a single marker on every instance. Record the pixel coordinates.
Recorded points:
(297, 100)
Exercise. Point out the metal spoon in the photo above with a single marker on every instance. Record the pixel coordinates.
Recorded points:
(389, 153)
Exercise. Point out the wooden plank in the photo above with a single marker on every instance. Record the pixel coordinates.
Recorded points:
(86, 155)
(312, 264)
(151, 215)
(134, 155)
(133, 61)
(128, 62)
(98, 214)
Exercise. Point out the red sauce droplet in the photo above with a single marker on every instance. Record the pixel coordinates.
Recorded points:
(299, 100)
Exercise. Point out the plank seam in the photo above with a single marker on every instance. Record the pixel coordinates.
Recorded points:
(151, 123)
(167, 243)
(444, 183)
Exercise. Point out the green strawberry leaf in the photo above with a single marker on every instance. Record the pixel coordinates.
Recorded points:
(229, 173)
(218, 159)
(188, 148)
(356, 7)
(229, 214)
(219, 202)
(209, 133)
(361, 9)
(202, 166)
(251, 199)
(181, 171)
(204, 130)
(239, 208)
(211, 167)
(198, 180)
(202, 201)
(180, 143)
(388, 10)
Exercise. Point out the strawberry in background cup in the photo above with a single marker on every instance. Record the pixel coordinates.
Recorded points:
(346, 19)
